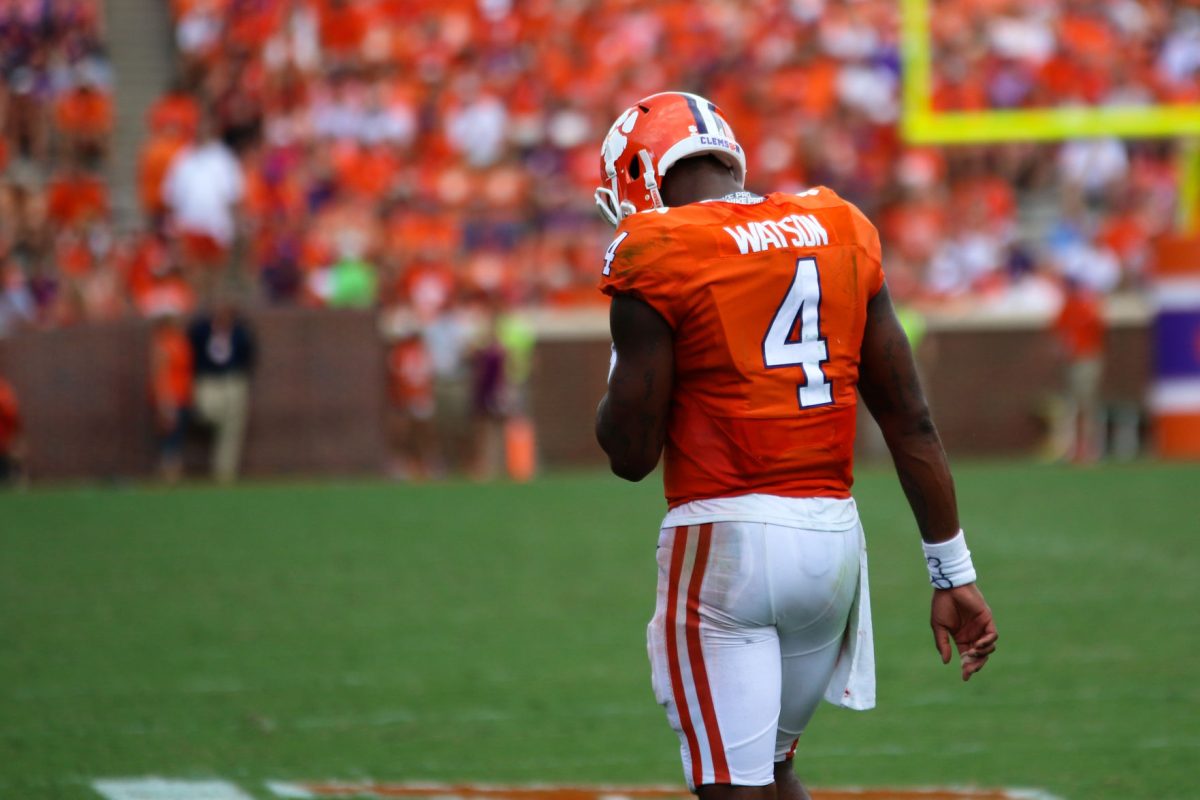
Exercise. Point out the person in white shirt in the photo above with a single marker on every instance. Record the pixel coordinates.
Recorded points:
(203, 189)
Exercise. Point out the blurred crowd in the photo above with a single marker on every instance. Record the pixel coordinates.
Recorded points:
(427, 156)
(436, 161)
(992, 54)
(56, 121)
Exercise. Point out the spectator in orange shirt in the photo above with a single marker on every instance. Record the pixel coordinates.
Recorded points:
(158, 154)
(72, 255)
(76, 197)
(171, 385)
(343, 26)
(153, 281)
(11, 441)
(176, 112)
(1079, 329)
(84, 115)
(411, 407)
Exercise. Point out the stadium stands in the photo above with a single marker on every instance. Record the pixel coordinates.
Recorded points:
(1036, 54)
(406, 153)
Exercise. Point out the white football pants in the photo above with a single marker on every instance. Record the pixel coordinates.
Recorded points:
(746, 631)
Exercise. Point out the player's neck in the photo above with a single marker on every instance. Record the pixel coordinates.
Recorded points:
(705, 181)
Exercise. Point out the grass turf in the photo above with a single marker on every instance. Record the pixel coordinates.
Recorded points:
(495, 633)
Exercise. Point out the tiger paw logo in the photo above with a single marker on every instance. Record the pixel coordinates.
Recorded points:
(618, 139)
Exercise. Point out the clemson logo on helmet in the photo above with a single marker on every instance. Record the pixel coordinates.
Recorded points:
(617, 139)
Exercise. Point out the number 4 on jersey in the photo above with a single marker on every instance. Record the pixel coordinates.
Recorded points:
(782, 347)
(611, 252)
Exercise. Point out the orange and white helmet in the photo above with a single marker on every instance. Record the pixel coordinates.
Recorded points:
(651, 137)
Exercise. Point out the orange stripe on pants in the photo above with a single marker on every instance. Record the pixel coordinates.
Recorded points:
(696, 658)
(681, 705)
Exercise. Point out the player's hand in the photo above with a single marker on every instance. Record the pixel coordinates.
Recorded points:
(963, 615)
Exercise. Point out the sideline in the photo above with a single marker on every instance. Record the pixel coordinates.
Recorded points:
(154, 788)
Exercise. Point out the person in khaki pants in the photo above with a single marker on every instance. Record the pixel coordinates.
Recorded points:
(223, 354)
(1080, 329)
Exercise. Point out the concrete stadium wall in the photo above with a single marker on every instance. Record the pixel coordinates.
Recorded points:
(319, 392)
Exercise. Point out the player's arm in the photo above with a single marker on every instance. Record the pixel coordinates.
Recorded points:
(631, 422)
(892, 391)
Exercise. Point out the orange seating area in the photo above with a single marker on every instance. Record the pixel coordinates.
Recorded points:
(406, 153)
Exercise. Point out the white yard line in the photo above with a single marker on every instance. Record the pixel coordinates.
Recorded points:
(156, 788)
(168, 789)
(290, 790)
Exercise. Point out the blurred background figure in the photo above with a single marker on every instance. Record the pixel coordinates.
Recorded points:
(202, 189)
(12, 444)
(518, 339)
(351, 280)
(1079, 332)
(18, 309)
(223, 355)
(447, 338)
(489, 399)
(415, 451)
(171, 128)
(84, 113)
(171, 371)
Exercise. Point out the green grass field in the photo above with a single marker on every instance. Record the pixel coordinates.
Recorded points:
(495, 633)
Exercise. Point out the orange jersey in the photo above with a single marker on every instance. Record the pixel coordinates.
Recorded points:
(172, 367)
(76, 199)
(768, 302)
(10, 417)
(410, 374)
(1080, 325)
(157, 156)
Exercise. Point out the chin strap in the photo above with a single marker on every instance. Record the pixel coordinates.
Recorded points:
(651, 183)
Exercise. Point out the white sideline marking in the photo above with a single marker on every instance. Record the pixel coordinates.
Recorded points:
(314, 790)
(154, 788)
(293, 791)
(168, 789)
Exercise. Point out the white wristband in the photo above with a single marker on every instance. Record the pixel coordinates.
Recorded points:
(949, 562)
(612, 361)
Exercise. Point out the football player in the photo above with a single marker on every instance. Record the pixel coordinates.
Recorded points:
(743, 328)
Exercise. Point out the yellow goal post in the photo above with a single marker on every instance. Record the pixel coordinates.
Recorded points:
(922, 124)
